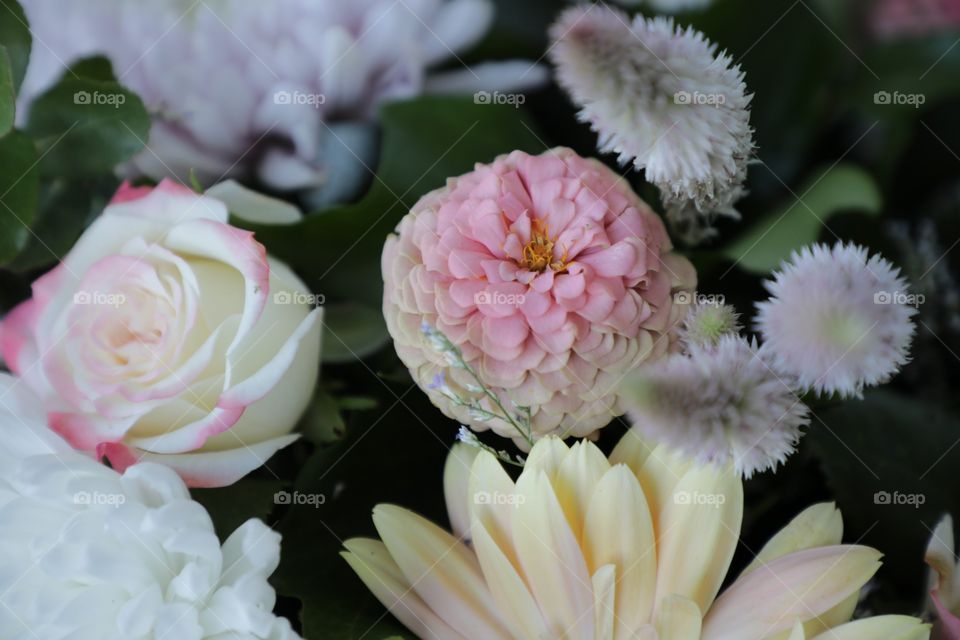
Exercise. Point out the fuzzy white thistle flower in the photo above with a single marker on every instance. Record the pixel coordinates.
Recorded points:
(665, 99)
(837, 320)
(86, 552)
(717, 404)
(706, 323)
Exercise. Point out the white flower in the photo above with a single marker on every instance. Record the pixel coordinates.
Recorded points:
(665, 99)
(717, 404)
(837, 320)
(170, 336)
(89, 554)
(241, 87)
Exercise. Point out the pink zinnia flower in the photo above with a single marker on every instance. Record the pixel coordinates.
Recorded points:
(552, 278)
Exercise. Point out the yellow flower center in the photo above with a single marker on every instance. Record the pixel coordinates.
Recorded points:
(538, 253)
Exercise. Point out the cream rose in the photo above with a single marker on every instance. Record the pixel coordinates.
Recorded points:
(167, 335)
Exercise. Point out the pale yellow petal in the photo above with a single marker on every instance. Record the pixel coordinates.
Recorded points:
(372, 563)
(576, 480)
(619, 531)
(456, 486)
(879, 628)
(493, 501)
(516, 604)
(798, 586)
(678, 619)
(546, 455)
(698, 534)
(441, 569)
(661, 472)
(632, 450)
(940, 556)
(798, 632)
(604, 602)
(818, 526)
(553, 564)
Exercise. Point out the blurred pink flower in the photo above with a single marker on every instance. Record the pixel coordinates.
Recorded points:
(552, 278)
(893, 18)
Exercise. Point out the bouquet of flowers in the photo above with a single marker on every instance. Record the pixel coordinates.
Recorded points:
(631, 321)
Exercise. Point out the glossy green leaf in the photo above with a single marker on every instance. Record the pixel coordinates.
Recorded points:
(800, 220)
(19, 192)
(8, 96)
(352, 331)
(15, 37)
(86, 127)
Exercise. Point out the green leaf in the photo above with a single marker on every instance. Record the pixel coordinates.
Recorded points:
(8, 96)
(94, 68)
(322, 422)
(891, 461)
(397, 459)
(19, 192)
(66, 208)
(15, 37)
(425, 141)
(799, 221)
(86, 127)
(230, 507)
(352, 331)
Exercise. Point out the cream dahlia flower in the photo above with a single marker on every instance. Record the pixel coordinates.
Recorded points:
(944, 580)
(636, 546)
(240, 88)
(837, 320)
(551, 278)
(89, 554)
(717, 403)
(664, 99)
